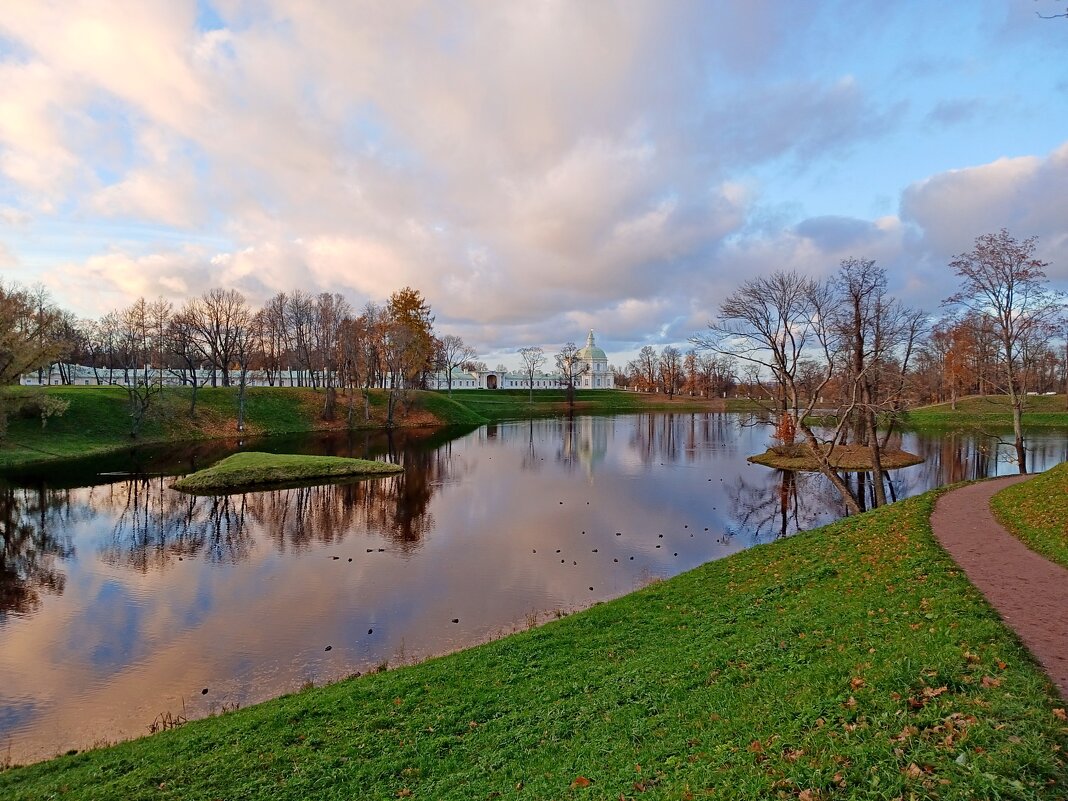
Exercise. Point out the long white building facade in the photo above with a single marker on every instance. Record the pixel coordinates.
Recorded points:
(594, 374)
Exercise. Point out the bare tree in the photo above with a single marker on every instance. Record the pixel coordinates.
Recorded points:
(771, 324)
(647, 368)
(533, 358)
(874, 330)
(214, 318)
(670, 369)
(139, 328)
(570, 367)
(332, 310)
(244, 338)
(452, 352)
(1004, 284)
(185, 345)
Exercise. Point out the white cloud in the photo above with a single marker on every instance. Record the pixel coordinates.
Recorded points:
(1024, 195)
(529, 166)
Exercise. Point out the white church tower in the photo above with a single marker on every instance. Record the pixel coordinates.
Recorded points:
(597, 375)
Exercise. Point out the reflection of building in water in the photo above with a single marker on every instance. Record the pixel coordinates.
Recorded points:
(584, 441)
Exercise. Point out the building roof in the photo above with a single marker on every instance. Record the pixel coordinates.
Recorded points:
(591, 352)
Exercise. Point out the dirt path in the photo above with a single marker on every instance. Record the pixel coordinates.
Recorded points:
(1028, 591)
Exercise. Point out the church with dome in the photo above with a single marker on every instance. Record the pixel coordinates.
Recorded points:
(594, 374)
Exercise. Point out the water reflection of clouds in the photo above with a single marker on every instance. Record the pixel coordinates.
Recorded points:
(169, 593)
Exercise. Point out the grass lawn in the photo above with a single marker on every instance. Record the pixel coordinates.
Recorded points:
(252, 469)
(991, 410)
(853, 661)
(512, 404)
(1036, 511)
(98, 421)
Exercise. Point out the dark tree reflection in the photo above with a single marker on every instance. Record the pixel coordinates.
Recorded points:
(30, 548)
(699, 437)
(154, 524)
(780, 505)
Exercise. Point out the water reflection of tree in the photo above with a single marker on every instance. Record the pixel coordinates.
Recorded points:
(30, 548)
(702, 437)
(785, 502)
(154, 524)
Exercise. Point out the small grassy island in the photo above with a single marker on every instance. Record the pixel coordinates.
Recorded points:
(251, 470)
(856, 458)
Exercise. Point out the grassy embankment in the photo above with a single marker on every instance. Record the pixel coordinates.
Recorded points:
(1036, 511)
(254, 469)
(990, 411)
(98, 421)
(515, 404)
(853, 661)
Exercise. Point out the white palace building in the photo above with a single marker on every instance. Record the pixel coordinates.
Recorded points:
(595, 375)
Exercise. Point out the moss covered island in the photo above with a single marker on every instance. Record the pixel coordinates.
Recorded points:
(854, 458)
(853, 661)
(251, 470)
(1036, 511)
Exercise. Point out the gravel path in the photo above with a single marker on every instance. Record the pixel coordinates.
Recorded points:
(1028, 591)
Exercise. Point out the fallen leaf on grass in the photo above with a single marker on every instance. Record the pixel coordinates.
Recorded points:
(1059, 713)
(581, 781)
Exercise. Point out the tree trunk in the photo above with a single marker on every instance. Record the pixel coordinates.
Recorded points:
(241, 403)
(850, 500)
(1017, 430)
(329, 406)
(876, 461)
(391, 403)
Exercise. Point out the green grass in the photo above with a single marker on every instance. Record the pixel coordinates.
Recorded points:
(512, 404)
(854, 661)
(991, 411)
(252, 469)
(97, 420)
(1036, 511)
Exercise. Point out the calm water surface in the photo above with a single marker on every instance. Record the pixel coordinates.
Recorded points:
(121, 599)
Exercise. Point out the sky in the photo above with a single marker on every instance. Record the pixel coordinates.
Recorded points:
(534, 168)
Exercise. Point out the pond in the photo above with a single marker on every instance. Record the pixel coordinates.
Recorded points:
(122, 600)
